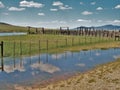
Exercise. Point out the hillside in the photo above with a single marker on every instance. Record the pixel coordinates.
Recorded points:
(109, 27)
(105, 27)
(4, 27)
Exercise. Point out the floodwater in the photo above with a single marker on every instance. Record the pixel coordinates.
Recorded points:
(36, 69)
(12, 33)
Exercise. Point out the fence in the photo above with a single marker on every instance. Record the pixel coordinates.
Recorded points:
(20, 48)
(81, 31)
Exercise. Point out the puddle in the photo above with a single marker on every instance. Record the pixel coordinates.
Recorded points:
(29, 70)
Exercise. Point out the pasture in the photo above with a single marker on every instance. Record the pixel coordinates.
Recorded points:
(41, 43)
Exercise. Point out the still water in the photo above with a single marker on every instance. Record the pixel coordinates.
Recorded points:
(29, 70)
(12, 33)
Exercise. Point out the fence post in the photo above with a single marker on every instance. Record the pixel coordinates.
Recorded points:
(30, 48)
(56, 43)
(79, 41)
(85, 39)
(72, 41)
(90, 39)
(47, 45)
(14, 49)
(14, 53)
(39, 50)
(2, 49)
(2, 63)
(20, 48)
(47, 50)
(66, 41)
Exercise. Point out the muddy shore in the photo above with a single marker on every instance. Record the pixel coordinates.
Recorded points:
(103, 77)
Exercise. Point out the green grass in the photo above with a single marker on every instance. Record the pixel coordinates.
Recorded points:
(10, 28)
(35, 44)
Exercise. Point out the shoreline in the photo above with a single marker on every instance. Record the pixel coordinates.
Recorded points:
(102, 77)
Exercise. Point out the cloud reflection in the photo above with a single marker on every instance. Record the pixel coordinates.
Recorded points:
(45, 67)
(116, 56)
(56, 56)
(81, 65)
(97, 54)
(10, 68)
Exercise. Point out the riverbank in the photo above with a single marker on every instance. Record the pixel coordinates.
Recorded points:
(27, 45)
(103, 77)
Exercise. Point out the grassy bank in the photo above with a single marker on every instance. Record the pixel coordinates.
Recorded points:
(35, 44)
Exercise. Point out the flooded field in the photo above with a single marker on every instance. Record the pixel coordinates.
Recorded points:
(37, 69)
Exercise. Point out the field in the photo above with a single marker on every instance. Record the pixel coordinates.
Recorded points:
(32, 44)
(39, 43)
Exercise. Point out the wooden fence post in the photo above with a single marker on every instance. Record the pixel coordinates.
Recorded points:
(14, 45)
(47, 45)
(2, 49)
(14, 49)
(2, 63)
(20, 48)
(56, 43)
(66, 41)
(39, 50)
(30, 48)
(79, 41)
(47, 50)
(72, 41)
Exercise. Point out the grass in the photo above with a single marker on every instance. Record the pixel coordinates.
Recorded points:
(35, 44)
(11, 28)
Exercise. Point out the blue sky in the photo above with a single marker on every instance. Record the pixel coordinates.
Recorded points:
(56, 13)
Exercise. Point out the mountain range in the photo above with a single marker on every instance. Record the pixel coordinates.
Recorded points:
(104, 27)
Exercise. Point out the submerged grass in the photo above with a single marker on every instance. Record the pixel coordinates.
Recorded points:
(35, 44)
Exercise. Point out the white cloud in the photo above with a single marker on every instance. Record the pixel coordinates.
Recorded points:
(66, 7)
(83, 20)
(57, 3)
(1, 5)
(10, 69)
(61, 6)
(58, 56)
(80, 65)
(97, 54)
(116, 57)
(117, 7)
(45, 67)
(86, 13)
(81, 3)
(53, 22)
(116, 21)
(15, 9)
(41, 14)
(31, 4)
(99, 8)
(53, 9)
(93, 3)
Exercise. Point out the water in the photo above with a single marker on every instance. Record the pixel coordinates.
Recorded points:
(35, 69)
(12, 33)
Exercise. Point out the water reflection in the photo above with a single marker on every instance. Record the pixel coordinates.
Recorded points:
(28, 70)
(45, 67)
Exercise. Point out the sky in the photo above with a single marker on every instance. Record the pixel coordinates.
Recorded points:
(60, 13)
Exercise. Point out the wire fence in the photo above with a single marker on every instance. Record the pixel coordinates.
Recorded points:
(20, 48)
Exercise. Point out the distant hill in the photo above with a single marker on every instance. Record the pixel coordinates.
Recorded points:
(2, 23)
(109, 27)
(106, 27)
(5, 27)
